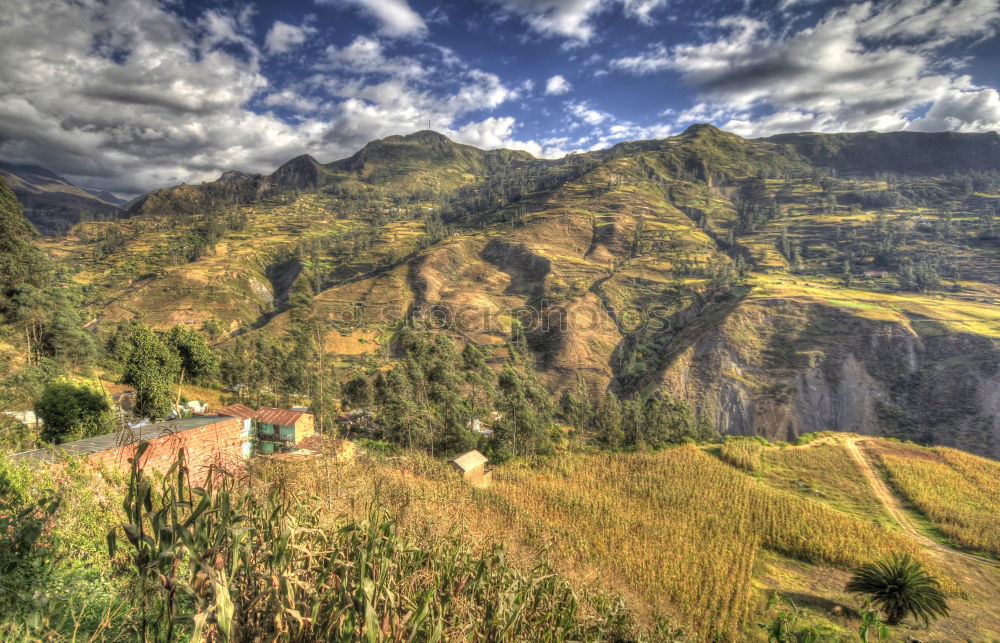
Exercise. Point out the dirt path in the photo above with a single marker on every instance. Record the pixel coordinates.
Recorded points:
(895, 508)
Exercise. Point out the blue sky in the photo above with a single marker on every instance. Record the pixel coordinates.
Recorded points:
(131, 95)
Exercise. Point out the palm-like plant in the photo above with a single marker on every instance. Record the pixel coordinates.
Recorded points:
(900, 586)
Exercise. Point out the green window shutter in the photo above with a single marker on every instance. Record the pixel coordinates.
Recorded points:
(287, 432)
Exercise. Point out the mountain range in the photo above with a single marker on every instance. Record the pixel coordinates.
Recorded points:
(629, 303)
(52, 203)
(784, 285)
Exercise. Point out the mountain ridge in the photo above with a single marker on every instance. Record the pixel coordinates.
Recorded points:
(52, 203)
(764, 265)
(860, 150)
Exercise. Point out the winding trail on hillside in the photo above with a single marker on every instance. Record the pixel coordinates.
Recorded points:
(892, 504)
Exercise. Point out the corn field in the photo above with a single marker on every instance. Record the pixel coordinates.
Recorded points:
(228, 563)
(600, 546)
(677, 530)
(676, 533)
(825, 472)
(745, 453)
(958, 492)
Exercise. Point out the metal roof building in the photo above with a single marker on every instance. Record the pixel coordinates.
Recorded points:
(110, 441)
(469, 461)
(237, 411)
(284, 417)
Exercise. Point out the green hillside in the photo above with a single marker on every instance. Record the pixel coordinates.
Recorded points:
(617, 318)
(780, 286)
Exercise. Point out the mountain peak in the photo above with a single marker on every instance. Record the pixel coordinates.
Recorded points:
(427, 134)
(301, 172)
(699, 129)
(301, 160)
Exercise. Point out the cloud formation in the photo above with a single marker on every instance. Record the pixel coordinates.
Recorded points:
(130, 96)
(395, 18)
(283, 37)
(574, 19)
(864, 67)
(586, 114)
(557, 85)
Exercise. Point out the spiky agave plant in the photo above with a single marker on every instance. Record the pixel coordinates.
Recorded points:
(900, 586)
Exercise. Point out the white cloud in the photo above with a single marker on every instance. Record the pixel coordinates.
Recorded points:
(628, 131)
(377, 93)
(129, 96)
(584, 112)
(566, 18)
(498, 133)
(864, 67)
(642, 10)
(290, 98)
(367, 56)
(963, 109)
(557, 85)
(395, 18)
(574, 19)
(283, 37)
(126, 95)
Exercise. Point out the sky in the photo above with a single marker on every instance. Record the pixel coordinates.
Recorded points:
(131, 95)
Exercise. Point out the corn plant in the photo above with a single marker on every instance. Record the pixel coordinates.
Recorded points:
(783, 626)
(959, 492)
(244, 563)
(744, 453)
(25, 560)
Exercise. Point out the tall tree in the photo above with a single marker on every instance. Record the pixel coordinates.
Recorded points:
(479, 378)
(152, 368)
(21, 263)
(65, 338)
(199, 362)
(633, 421)
(24, 274)
(608, 421)
(527, 413)
(398, 412)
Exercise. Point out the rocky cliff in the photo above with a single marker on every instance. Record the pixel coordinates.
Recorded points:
(780, 368)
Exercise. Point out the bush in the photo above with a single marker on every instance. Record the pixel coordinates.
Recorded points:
(25, 558)
(73, 411)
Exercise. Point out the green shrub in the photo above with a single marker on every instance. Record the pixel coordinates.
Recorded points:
(73, 411)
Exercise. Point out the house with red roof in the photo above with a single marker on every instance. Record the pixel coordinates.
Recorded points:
(281, 429)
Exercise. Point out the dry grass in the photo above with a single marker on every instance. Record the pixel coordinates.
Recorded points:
(677, 533)
(958, 492)
(951, 313)
(825, 472)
